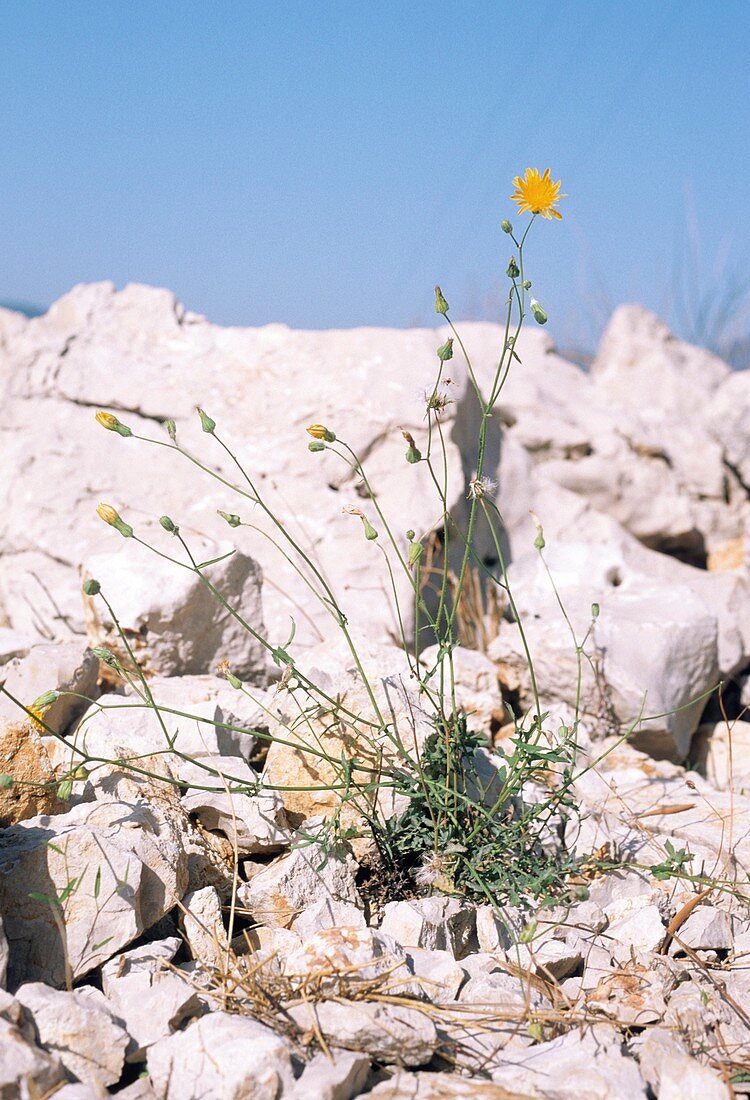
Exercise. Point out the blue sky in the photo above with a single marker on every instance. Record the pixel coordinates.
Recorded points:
(324, 164)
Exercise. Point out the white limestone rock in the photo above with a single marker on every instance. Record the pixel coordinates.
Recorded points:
(203, 927)
(588, 1063)
(152, 999)
(221, 1055)
(721, 752)
(656, 644)
(706, 929)
(393, 1034)
(80, 1028)
(338, 956)
(671, 1071)
(327, 913)
(67, 667)
(139, 353)
(118, 868)
(26, 1072)
(436, 923)
(196, 751)
(638, 354)
(282, 891)
(338, 1077)
(438, 974)
(174, 624)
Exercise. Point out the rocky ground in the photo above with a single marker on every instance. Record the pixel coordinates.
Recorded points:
(161, 939)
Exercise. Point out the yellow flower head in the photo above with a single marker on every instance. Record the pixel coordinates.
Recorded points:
(537, 194)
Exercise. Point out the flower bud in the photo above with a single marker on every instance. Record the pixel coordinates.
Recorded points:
(595, 611)
(416, 549)
(168, 525)
(171, 429)
(112, 424)
(539, 315)
(506, 226)
(232, 519)
(91, 587)
(527, 284)
(445, 351)
(441, 306)
(207, 423)
(110, 516)
(105, 655)
(6, 782)
(320, 432)
(45, 700)
(65, 790)
(513, 270)
(316, 445)
(410, 535)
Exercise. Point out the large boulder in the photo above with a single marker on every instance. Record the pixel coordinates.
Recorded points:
(172, 621)
(138, 353)
(76, 888)
(653, 648)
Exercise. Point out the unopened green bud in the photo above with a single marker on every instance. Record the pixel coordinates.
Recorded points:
(539, 315)
(410, 535)
(513, 269)
(207, 423)
(6, 782)
(316, 445)
(539, 543)
(105, 655)
(171, 429)
(445, 351)
(230, 517)
(527, 284)
(595, 611)
(441, 306)
(168, 525)
(91, 587)
(416, 549)
(65, 790)
(45, 700)
(506, 226)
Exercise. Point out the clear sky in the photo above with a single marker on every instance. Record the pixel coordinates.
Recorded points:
(326, 163)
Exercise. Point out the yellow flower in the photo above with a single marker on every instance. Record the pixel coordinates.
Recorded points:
(537, 194)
